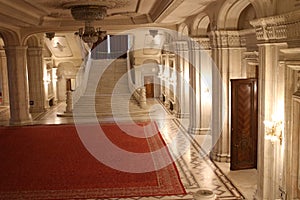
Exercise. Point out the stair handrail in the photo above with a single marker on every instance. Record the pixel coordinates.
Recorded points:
(139, 93)
(82, 79)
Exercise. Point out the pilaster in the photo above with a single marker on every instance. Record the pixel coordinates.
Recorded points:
(268, 171)
(274, 33)
(227, 54)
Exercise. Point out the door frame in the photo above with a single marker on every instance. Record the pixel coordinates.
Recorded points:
(255, 110)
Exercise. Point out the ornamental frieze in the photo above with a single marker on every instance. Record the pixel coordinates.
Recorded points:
(280, 27)
(226, 39)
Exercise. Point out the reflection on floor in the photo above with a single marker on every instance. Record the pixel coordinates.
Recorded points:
(195, 168)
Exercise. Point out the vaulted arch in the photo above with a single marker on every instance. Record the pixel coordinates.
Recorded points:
(10, 37)
(229, 14)
(33, 41)
(201, 25)
(183, 30)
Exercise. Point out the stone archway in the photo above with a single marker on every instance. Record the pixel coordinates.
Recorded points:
(230, 13)
(16, 65)
(183, 30)
(201, 25)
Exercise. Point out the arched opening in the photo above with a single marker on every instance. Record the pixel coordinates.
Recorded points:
(201, 25)
(230, 13)
(246, 16)
(183, 30)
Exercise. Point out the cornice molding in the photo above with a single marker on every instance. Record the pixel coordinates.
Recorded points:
(203, 43)
(279, 27)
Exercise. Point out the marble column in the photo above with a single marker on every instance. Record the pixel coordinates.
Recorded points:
(18, 84)
(200, 72)
(182, 86)
(37, 85)
(167, 80)
(3, 71)
(195, 89)
(220, 98)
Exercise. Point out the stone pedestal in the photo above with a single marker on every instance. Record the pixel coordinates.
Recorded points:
(69, 102)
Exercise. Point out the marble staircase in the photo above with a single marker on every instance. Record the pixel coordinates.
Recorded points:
(107, 93)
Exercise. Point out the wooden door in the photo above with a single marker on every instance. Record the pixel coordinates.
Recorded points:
(149, 85)
(243, 124)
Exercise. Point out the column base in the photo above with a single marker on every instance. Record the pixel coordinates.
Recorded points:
(220, 157)
(21, 122)
(65, 114)
(37, 110)
(182, 115)
(198, 131)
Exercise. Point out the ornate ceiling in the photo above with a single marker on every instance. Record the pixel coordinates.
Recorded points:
(45, 15)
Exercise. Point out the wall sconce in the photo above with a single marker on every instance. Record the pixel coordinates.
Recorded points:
(273, 130)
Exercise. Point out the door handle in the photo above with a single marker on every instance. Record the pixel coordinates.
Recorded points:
(236, 145)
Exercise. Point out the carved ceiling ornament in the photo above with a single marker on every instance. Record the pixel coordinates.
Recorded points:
(65, 4)
(279, 27)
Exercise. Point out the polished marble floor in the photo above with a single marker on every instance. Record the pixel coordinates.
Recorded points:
(196, 170)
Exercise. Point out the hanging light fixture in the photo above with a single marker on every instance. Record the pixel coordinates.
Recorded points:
(89, 34)
(89, 14)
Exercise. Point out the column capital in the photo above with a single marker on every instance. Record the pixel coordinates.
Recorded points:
(16, 47)
(35, 51)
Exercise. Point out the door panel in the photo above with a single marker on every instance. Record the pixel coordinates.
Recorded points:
(243, 124)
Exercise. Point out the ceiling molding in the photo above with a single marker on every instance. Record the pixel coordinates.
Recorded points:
(20, 14)
(159, 12)
(159, 8)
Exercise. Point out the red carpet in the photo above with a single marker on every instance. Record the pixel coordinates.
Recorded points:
(50, 162)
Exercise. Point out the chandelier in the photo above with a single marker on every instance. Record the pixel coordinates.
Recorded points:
(89, 34)
(88, 14)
